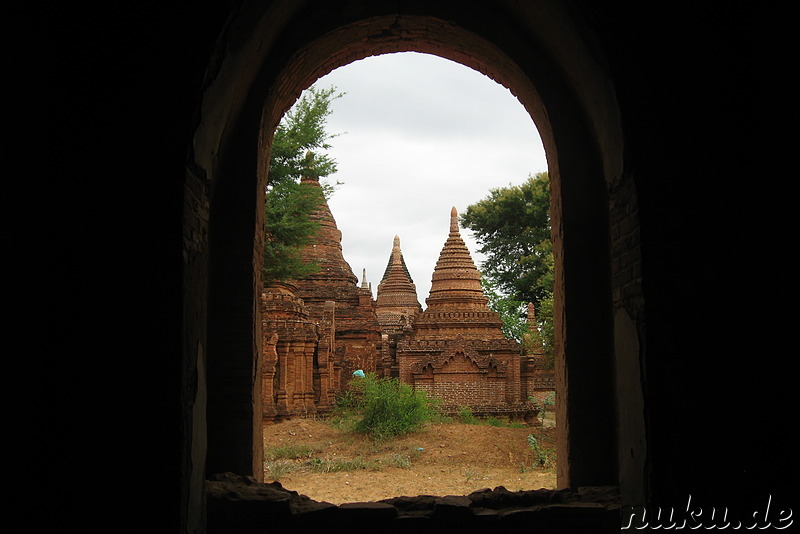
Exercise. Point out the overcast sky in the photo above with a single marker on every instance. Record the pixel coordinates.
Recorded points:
(419, 135)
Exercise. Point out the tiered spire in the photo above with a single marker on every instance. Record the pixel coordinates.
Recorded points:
(326, 250)
(397, 301)
(456, 280)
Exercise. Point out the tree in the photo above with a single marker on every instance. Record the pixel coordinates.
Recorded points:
(300, 140)
(512, 312)
(297, 151)
(512, 227)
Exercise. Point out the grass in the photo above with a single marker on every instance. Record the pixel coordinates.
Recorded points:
(278, 470)
(322, 465)
(290, 452)
(400, 460)
(370, 455)
(368, 452)
(465, 416)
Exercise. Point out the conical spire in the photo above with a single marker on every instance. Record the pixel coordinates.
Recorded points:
(456, 280)
(326, 247)
(396, 291)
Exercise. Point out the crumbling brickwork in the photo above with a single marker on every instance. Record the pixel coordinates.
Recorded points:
(296, 363)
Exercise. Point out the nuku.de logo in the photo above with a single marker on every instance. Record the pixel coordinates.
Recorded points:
(696, 517)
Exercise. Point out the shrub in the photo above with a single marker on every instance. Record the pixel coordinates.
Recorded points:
(391, 408)
(466, 416)
(548, 404)
(351, 398)
(494, 421)
(544, 457)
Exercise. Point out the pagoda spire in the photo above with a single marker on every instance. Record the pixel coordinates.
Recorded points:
(456, 280)
(397, 301)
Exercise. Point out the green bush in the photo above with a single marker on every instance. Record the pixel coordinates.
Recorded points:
(544, 457)
(391, 408)
(494, 421)
(466, 416)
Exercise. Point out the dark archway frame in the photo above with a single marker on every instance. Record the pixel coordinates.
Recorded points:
(266, 57)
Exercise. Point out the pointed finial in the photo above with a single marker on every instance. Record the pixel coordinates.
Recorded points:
(531, 313)
(453, 220)
(308, 176)
(364, 278)
(396, 241)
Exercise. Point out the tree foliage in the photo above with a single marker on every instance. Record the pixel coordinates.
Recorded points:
(512, 227)
(298, 150)
(512, 312)
(300, 141)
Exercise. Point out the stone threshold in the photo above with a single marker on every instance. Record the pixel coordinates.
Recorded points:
(238, 503)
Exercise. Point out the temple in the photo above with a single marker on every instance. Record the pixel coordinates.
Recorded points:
(319, 330)
(456, 349)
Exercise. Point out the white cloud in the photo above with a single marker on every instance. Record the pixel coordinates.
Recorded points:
(422, 134)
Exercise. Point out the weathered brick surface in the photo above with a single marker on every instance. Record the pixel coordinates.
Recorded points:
(295, 372)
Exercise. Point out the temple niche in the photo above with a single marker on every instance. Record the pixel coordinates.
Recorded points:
(319, 330)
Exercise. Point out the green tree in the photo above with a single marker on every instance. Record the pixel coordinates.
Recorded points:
(512, 312)
(300, 140)
(298, 150)
(512, 227)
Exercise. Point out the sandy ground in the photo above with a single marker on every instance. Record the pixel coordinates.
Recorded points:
(442, 459)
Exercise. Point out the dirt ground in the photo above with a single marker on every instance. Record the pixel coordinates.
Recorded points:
(306, 455)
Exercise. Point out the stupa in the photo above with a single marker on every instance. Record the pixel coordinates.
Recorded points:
(396, 306)
(456, 350)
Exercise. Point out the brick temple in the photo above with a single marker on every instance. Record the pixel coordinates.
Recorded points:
(319, 330)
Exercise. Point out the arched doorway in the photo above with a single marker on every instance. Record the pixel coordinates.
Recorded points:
(267, 57)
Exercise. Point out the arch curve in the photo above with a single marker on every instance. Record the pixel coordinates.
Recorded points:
(268, 55)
